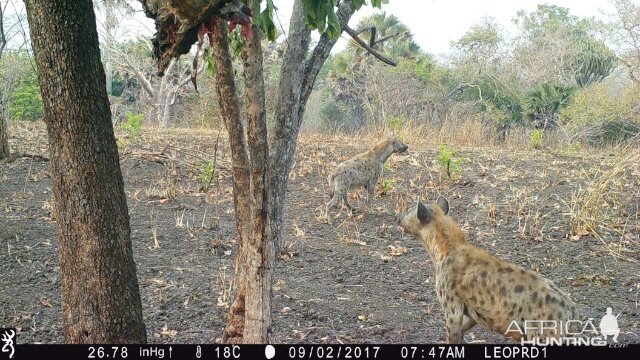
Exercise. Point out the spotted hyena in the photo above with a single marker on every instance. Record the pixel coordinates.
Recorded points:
(361, 170)
(475, 287)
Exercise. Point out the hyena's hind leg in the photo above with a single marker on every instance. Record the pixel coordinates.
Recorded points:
(332, 203)
(337, 192)
(370, 187)
(457, 322)
(346, 203)
(467, 322)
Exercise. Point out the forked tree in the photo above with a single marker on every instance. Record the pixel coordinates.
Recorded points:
(261, 163)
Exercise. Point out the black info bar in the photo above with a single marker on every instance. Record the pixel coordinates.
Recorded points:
(312, 351)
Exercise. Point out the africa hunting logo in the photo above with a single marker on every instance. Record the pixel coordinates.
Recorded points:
(571, 332)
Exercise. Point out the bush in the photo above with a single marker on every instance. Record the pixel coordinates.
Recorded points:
(396, 124)
(26, 103)
(546, 101)
(132, 125)
(603, 114)
(207, 174)
(449, 161)
(599, 103)
(536, 139)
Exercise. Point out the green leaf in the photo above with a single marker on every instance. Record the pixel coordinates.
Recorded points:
(210, 61)
(265, 19)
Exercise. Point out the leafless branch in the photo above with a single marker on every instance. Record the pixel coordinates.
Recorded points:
(387, 38)
(364, 45)
(3, 38)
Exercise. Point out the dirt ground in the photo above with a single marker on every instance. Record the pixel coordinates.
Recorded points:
(347, 280)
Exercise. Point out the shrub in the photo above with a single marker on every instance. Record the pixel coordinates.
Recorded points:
(449, 161)
(26, 103)
(599, 103)
(207, 174)
(536, 139)
(603, 114)
(132, 125)
(396, 124)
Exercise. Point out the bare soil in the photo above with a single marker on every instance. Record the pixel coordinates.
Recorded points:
(350, 279)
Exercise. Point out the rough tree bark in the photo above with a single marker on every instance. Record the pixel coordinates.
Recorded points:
(297, 77)
(250, 315)
(110, 27)
(4, 138)
(100, 294)
(230, 112)
(259, 251)
(4, 114)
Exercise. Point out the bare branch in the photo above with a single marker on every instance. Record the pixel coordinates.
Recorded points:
(3, 38)
(387, 38)
(364, 45)
(146, 84)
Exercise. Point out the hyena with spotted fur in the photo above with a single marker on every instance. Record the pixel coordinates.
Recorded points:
(363, 170)
(475, 287)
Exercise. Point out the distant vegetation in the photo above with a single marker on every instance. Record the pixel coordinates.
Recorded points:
(572, 78)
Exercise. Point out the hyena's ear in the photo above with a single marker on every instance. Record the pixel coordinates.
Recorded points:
(443, 203)
(425, 213)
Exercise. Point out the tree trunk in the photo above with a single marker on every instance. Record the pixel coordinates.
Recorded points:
(250, 315)
(4, 114)
(4, 136)
(110, 27)
(100, 294)
(285, 133)
(230, 112)
(297, 77)
(259, 250)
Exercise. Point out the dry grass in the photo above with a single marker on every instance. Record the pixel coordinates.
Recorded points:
(469, 133)
(600, 205)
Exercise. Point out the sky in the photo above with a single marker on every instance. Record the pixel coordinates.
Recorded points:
(435, 23)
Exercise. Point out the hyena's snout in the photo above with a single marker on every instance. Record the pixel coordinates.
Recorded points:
(398, 218)
(403, 217)
(403, 148)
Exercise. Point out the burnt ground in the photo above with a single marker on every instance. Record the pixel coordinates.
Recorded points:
(348, 280)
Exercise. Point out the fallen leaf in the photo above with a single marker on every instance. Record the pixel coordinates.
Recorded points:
(396, 250)
(46, 302)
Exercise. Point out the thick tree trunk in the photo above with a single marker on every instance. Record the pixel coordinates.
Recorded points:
(230, 111)
(100, 294)
(259, 250)
(297, 77)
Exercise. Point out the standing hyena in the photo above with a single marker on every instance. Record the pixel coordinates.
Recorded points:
(362, 170)
(475, 287)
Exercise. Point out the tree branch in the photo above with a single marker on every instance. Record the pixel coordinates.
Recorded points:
(321, 52)
(3, 38)
(146, 84)
(387, 38)
(364, 45)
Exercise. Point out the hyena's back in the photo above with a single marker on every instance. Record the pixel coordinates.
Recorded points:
(354, 173)
(496, 292)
